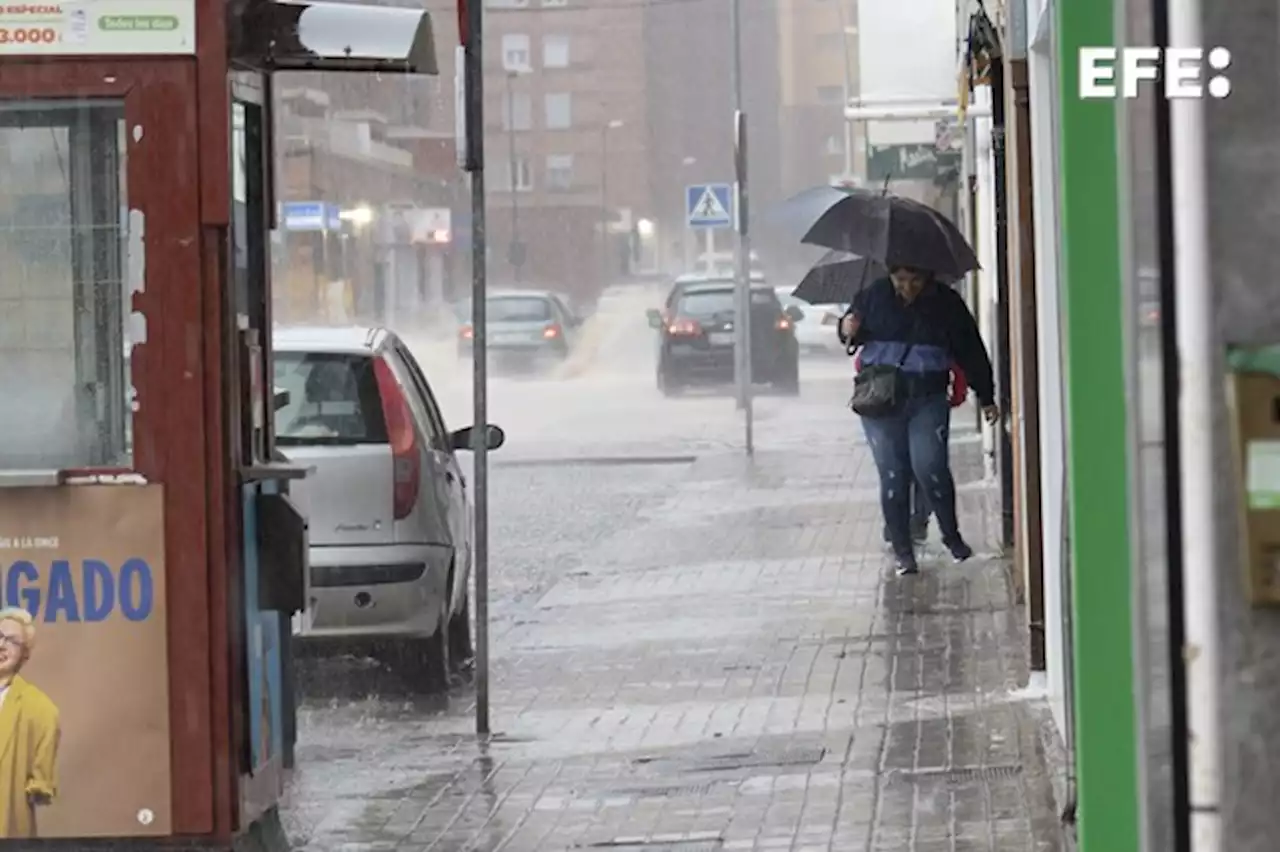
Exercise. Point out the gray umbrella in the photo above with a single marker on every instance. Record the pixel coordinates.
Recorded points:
(837, 278)
(893, 230)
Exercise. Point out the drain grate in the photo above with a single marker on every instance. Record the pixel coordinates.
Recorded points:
(959, 775)
(656, 846)
(664, 791)
(696, 841)
(760, 758)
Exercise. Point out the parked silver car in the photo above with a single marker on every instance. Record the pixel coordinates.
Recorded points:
(387, 505)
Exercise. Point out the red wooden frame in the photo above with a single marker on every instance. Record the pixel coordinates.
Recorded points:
(179, 436)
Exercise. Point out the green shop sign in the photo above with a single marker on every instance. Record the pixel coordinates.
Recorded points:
(137, 23)
(923, 161)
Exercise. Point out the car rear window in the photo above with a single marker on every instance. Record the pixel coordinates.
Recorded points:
(333, 400)
(518, 309)
(707, 303)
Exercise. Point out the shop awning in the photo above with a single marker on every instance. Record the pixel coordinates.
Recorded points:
(272, 35)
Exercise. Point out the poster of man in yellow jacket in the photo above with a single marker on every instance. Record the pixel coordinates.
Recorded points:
(29, 732)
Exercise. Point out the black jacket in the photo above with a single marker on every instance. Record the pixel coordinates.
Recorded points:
(937, 322)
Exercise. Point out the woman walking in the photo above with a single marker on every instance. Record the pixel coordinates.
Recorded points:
(957, 392)
(916, 327)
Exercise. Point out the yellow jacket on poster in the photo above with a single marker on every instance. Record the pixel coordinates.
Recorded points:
(28, 757)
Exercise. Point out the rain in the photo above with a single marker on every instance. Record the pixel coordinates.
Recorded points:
(679, 621)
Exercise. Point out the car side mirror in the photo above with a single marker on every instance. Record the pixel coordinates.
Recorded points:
(463, 438)
(794, 313)
(655, 317)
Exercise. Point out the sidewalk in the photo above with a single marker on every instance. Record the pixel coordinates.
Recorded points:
(729, 664)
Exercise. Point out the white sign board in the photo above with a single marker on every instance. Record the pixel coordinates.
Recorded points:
(432, 225)
(98, 27)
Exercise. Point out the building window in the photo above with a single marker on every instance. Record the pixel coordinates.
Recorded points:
(554, 4)
(559, 106)
(831, 94)
(515, 52)
(516, 174)
(560, 171)
(507, 4)
(517, 111)
(555, 51)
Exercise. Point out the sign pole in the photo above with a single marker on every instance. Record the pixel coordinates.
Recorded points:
(471, 15)
(742, 266)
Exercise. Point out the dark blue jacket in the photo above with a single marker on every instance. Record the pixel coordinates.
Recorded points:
(938, 326)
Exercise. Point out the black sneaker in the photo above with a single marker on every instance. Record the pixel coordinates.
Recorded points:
(906, 566)
(960, 550)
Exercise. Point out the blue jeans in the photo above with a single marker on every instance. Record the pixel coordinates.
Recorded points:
(914, 445)
(919, 515)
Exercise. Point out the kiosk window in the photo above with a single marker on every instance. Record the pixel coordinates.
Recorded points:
(64, 351)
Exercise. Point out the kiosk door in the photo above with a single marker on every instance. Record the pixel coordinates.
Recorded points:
(101, 370)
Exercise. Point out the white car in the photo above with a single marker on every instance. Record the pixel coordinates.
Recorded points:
(816, 332)
(386, 502)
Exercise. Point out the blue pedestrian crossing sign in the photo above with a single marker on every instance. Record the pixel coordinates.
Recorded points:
(709, 205)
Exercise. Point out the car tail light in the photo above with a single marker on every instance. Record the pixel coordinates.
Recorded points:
(405, 463)
(684, 328)
(467, 332)
(783, 323)
(551, 332)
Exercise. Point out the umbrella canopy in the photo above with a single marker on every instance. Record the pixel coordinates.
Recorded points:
(837, 277)
(893, 230)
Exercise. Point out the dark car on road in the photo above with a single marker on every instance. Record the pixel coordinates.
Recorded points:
(696, 338)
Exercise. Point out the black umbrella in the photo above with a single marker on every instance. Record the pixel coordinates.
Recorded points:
(837, 277)
(893, 230)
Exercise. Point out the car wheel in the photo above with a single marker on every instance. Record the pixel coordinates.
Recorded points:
(461, 649)
(424, 663)
(668, 385)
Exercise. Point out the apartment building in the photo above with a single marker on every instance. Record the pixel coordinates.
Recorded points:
(689, 50)
(566, 141)
(362, 149)
(818, 67)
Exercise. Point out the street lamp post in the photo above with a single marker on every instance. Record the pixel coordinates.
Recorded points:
(516, 256)
(604, 198)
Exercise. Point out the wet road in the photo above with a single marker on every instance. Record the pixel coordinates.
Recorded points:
(698, 652)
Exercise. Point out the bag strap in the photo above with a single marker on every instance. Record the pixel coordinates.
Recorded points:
(911, 340)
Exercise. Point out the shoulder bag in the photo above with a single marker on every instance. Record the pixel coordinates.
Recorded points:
(879, 390)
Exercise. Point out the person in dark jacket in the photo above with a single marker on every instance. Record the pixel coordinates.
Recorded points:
(912, 321)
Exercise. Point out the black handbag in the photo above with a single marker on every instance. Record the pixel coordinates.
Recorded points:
(879, 390)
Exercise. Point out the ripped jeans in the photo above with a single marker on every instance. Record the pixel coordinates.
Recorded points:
(914, 444)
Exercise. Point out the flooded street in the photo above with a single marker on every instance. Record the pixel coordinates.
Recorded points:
(692, 650)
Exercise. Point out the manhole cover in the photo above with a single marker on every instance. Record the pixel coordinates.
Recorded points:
(960, 774)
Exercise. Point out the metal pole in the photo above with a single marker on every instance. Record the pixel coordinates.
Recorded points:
(473, 76)
(604, 205)
(1004, 352)
(517, 258)
(743, 258)
(848, 88)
